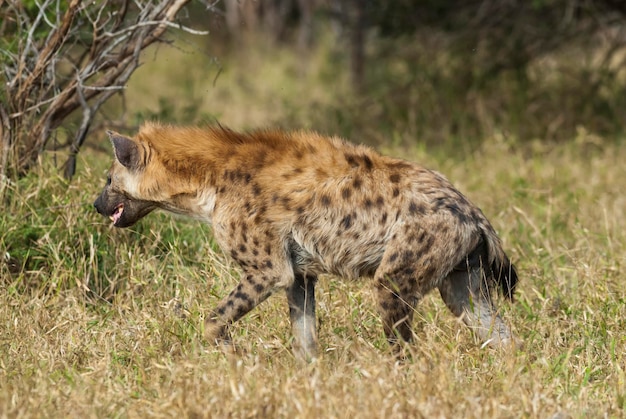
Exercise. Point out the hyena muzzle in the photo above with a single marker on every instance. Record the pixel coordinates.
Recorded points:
(290, 206)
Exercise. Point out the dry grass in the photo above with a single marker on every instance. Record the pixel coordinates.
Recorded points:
(96, 322)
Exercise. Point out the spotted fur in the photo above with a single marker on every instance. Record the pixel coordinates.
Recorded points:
(289, 206)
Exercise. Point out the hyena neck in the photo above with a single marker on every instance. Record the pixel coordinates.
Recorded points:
(199, 205)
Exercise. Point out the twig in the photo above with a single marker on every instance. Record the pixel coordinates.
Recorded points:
(155, 23)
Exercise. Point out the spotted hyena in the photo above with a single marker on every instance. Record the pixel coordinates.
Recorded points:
(289, 206)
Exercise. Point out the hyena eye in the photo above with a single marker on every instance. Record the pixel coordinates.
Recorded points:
(108, 180)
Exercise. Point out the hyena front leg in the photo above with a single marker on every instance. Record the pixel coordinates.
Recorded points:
(253, 289)
(466, 292)
(301, 299)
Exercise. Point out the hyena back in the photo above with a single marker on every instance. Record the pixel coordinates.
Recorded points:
(289, 206)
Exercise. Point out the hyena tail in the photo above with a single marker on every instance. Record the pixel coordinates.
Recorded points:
(503, 271)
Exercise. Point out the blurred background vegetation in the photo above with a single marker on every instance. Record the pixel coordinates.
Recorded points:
(407, 72)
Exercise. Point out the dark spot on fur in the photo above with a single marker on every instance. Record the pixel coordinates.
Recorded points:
(368, 203)
(356, 183)
(247, 177)
(255, 252)
(286, 203)
(242, 296)
(325, 200)
(233, 254)
(346, 193)
(300, 210)
(242, 248)
(380, 201)
(255, 241)
(256, 189)
(346, 222)
(240, 311)
(351, 159)
(368, 163)
(395, 192)
(394, 178)
(457, 212)
(259, 288)
(393, 257)
(269, 264)
(221, 311)
(268, 249)
(415, 208)
(383, 219)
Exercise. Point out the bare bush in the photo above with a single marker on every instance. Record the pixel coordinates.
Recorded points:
(64, 56)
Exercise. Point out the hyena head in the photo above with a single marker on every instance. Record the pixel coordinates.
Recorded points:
(123, 199)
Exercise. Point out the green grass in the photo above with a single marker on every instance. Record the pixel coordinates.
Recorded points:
(101, 322)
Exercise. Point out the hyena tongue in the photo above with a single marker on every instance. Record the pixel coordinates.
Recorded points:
(117, 213)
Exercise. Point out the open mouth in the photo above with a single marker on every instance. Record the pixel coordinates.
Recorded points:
(117, 213)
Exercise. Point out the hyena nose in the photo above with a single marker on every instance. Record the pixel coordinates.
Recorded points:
(96, 205)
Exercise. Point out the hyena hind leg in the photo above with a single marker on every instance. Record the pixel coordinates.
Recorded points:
(397, 299)
(301, 299)
(467, 294)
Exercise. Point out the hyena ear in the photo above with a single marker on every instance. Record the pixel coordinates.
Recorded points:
(126, 150)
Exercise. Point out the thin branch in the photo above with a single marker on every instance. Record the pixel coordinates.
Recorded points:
(153, 23)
